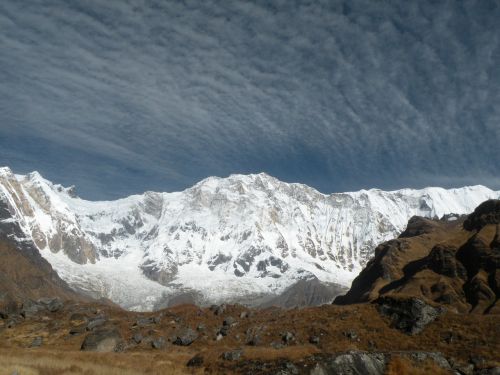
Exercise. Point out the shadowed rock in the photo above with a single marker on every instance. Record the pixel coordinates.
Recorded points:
(102, 340)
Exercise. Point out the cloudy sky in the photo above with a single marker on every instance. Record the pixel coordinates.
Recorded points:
(120, 97)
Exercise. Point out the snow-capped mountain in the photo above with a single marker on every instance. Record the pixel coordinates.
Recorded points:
(239, 238)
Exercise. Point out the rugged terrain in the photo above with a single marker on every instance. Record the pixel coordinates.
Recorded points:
(415, 309)
(248, 239)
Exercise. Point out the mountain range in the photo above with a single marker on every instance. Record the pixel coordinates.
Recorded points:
(246, 238)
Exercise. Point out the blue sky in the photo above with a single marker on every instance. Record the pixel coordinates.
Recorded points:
(119, 97)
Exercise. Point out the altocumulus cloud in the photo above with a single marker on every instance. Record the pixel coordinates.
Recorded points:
(124, 96)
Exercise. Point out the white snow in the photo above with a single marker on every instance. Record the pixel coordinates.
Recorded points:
(225, 237)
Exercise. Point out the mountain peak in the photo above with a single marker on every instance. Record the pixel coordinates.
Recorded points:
(238, 238)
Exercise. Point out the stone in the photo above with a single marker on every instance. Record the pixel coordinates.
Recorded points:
(51, 304)
(186, 337)
(218, 309)
(201, 327)
(102, 340)
(288, 337)
(31, 309)
(96, 322)
(196, 361)
(137, 337)
(409, 315)
(314, 340)
(243, 315)
(224, 330)
(158, 343)
(253, 340)
(232, 355)
(351, 334)
(37, 342)
(228, 321)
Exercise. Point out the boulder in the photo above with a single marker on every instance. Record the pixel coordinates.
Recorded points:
(409, 315)
(158, 343)
(96, 322)
(102, 340)
(232, 355)
(37, 342)
(185, 337)
(196, 361)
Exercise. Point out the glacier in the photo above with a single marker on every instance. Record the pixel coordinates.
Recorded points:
(241, 238)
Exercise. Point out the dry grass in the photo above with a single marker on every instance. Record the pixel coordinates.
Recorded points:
(403, 366)
(37, 362)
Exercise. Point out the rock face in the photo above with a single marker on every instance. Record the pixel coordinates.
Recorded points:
(103, 340)
(437, 261)
(409, 315)
(246, 238)
(366, 363)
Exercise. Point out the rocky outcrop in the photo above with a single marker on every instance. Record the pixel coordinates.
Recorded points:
(486, 213)
(409, 315)
(439, 263)
(103, 340)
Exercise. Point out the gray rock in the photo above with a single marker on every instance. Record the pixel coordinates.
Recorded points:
(196, 361)
(244, 315)
(95, 322)
(52, 304)
(232, 355)
(137, 337)
(228, 321)
(102, 340)
(218, 309)
(31, 309)
(158, 343)
(351, 334)
(185, 337)
(371, 363)
(488, 371)
(409, 315)
(253, 340)
(288, 337)
(201, 327)
(314, 340)
(277, 345)
(37, 342)
(224, 330)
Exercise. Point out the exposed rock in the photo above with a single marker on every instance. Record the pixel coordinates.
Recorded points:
(158, 343)
(417, 226)
(102, 340)
(137, 337)
(410, 315)
(185, 337)
(366, 363)
(486, 213)
(442, 260)
(288, 337)
(37, 342)
(228, 321)
(196, 361)
(218, 309)
(224, 330)
(314, 340)
(232, 355)
(96, 322)
(351, 334)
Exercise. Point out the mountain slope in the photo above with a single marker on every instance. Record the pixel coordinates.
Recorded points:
(24, 273)
(241, 238)
(453, 263)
